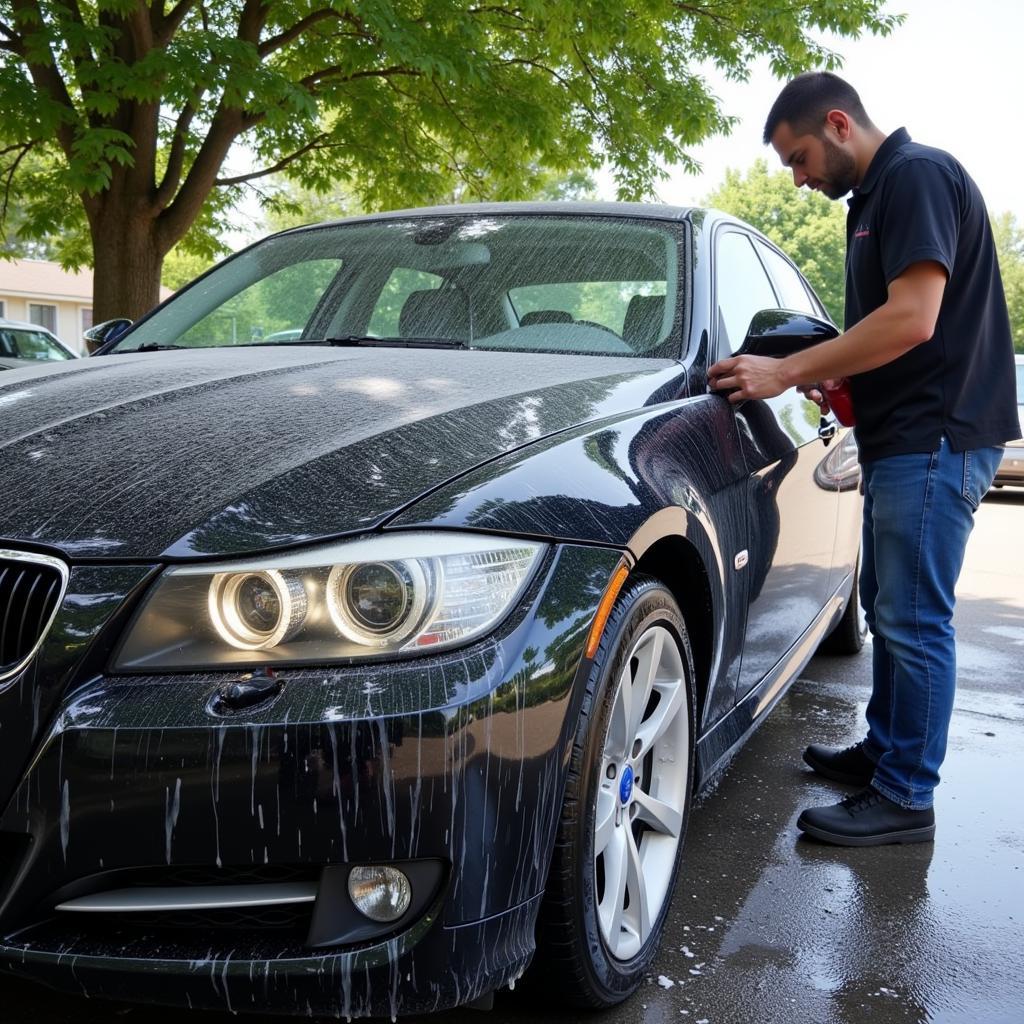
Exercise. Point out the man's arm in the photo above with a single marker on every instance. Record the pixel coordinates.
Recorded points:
(906, 319)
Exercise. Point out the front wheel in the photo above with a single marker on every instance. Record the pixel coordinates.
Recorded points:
(626, 806)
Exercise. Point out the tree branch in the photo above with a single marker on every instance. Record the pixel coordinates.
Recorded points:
(251, 21)
(281, 164)
(557, 76)
(335, 73)
(469, 131)
(598, 89)
(166, 25)
(282, 39)
(176, 156)
(513, 12)
(140, 27)
(26, 148)
(49, 80)
(465, 176)
(177, 217)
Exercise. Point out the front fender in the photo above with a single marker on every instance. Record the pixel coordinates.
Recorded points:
(600, 482)
(671, 471)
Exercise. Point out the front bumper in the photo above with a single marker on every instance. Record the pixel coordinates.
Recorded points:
(457, 759)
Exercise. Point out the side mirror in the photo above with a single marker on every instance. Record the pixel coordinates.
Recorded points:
(780, 332)
(102, 334)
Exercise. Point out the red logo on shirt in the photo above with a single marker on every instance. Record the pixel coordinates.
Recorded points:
(862, 231)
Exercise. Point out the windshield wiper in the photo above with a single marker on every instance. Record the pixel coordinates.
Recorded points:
(353, 340)
(356, 340)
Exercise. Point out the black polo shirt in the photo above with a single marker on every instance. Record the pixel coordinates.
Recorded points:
(916, 204)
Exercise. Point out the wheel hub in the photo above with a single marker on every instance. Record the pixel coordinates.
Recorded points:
(626, 784)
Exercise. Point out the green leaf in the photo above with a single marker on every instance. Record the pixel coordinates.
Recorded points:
(394, 102)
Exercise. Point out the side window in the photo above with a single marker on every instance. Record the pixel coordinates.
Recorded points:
(742, 288)
(400, 285)
(275, 308)
(790, 287)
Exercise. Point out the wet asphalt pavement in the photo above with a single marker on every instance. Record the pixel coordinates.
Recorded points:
(769, 927)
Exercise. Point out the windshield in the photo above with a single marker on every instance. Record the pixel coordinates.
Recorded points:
(24, 343)
(589, 285)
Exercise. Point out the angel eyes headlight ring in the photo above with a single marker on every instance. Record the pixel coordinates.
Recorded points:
(256, 610)
(376, 603)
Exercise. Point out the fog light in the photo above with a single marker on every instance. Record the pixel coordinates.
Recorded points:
(380, 892)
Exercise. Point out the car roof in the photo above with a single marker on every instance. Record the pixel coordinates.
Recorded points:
(560, 207)
(23, 325)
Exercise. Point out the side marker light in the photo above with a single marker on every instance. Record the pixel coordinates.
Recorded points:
(604, 609)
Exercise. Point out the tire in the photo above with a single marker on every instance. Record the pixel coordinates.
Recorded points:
(619, 845)
(851, 630)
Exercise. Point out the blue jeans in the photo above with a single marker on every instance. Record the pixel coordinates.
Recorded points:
(918, 514)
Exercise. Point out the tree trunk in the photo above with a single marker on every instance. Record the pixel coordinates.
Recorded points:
(127, 261)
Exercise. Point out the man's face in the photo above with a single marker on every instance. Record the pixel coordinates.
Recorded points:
(816, 161)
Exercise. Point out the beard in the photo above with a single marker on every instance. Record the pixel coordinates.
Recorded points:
(840, 170)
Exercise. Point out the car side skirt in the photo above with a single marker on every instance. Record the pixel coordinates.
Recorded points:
(717, 746)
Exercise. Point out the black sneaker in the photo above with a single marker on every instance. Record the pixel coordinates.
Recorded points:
(867, 819)
(850, 765)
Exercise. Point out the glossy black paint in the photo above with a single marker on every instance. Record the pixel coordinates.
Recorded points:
(128, 462)
(224, 451)
(454, 758)
(778, 332)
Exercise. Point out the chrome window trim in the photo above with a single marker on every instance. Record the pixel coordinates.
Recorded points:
(65, 573)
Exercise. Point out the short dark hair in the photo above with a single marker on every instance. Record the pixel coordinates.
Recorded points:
(805, 101)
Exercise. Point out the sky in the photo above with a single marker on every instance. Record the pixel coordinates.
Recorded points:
(952, 74)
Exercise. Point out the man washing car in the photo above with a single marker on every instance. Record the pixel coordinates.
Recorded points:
(929, 353)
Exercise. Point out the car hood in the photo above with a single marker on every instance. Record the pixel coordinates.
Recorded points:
(225, 451)
(14, 363)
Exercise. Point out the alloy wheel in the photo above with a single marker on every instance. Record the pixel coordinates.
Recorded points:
(641, 801)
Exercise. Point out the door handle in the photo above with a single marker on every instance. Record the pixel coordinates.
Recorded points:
(827, 430)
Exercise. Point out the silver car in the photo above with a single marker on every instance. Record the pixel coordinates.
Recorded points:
(1011, 469)
(24, 344)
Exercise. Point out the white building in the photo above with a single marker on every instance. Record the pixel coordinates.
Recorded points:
(41, 292)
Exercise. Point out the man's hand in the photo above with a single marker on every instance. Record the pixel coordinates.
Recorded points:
(816, 395)
(748, 377)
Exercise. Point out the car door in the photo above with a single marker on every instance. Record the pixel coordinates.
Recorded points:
(792, 517)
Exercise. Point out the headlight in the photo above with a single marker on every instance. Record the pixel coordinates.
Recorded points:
(374, 602)
(840, 469)
(384, 595)
(255, 610)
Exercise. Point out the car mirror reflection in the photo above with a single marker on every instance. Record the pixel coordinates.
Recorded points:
(97, 337)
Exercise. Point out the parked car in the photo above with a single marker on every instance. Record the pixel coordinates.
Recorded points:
(353, 673)
(23, 344)
(1011, 466)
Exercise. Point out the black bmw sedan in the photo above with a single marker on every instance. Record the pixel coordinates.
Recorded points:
(371, 611)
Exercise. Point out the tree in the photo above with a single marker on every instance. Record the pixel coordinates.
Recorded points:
(812, 231)
(1009, 238)
(28, 232)
(809, 228)
(144, 103)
